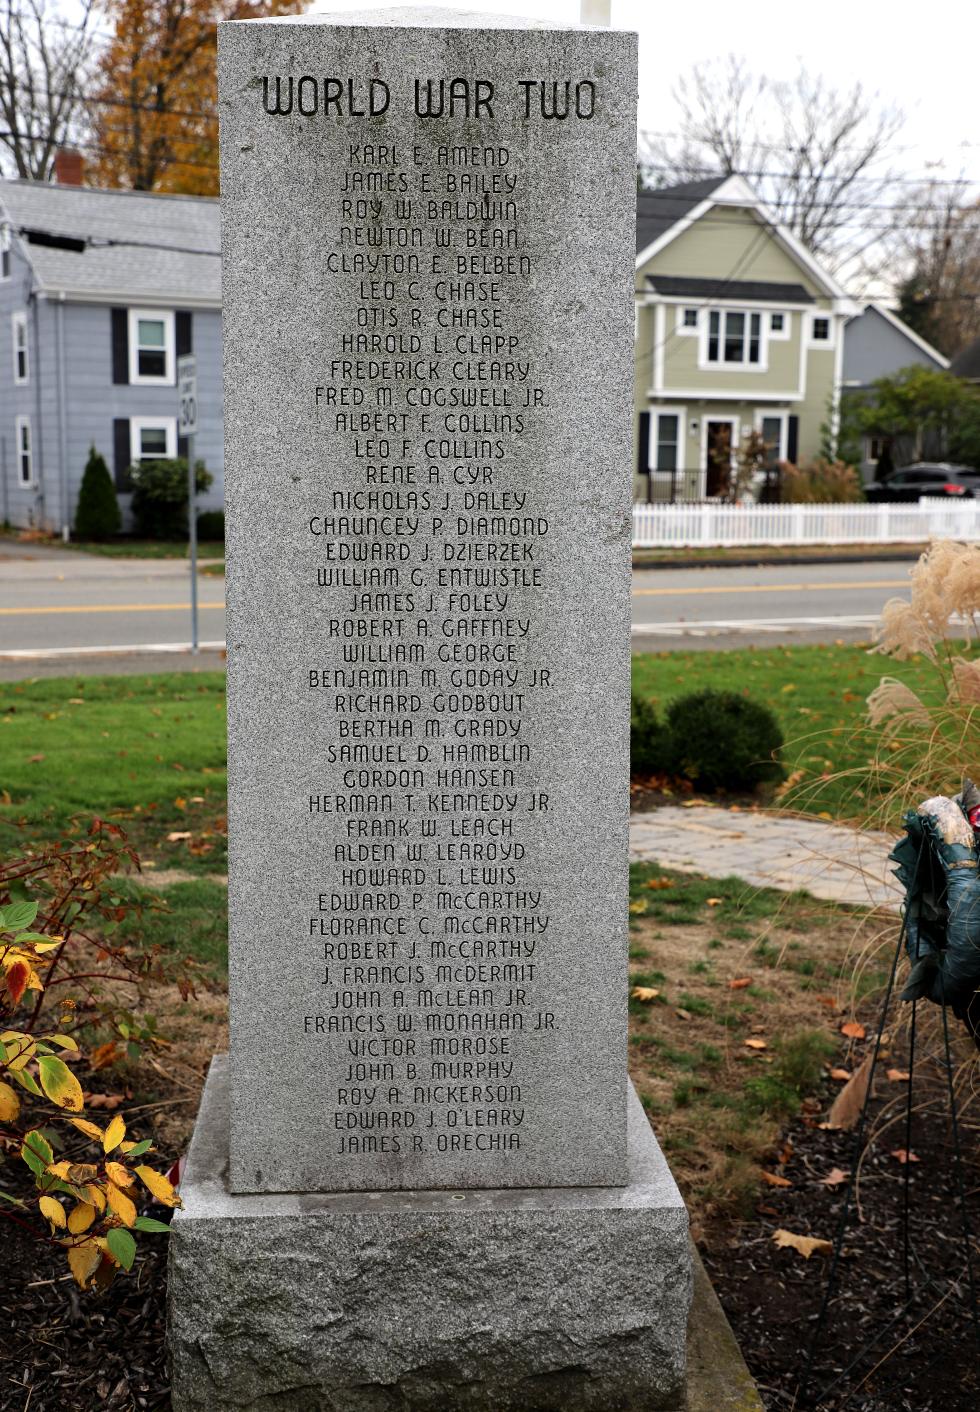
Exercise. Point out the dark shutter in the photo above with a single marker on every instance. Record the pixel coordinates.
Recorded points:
(120, 345)
(793, 440)
(643, 445)
(183, 447)
(122, 453)
(184, 333)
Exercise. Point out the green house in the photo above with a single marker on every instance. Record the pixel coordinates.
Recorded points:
(738, 329)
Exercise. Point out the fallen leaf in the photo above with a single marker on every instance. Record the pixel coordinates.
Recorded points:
(101, 1057)
(898, 1076)
(847, 1106)
(645, 993)
(774, 1180)
(179, 837)
(659, 884)
(755, 1044)
(834, 1177)
(740, 983)
(34, 759)
(683, 1014)
(827, 1000)
(853, 1030)
(841, 1075)
(103, 1100)
(806, 1245)
(902, 1156)
(714, 901)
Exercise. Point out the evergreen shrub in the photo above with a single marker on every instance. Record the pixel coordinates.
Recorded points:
(723, 741)
(97, 514)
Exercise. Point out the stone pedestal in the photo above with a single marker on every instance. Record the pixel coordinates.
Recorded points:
(565, 1299)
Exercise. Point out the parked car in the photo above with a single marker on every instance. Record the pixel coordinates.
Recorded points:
(935, 478)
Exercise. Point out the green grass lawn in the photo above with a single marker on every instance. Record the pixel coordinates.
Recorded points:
(818, 695)
(149, 752)
(125, 548)
(145, 752)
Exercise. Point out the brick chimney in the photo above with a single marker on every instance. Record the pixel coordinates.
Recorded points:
(68, 167)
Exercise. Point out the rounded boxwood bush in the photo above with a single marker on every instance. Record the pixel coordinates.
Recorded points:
(720, 740)
(648, 739)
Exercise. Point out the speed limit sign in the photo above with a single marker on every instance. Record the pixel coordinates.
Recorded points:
(186, 395)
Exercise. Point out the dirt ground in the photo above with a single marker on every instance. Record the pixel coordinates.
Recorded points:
(737, 1051)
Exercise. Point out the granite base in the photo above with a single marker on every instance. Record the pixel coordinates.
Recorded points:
(570, 1298)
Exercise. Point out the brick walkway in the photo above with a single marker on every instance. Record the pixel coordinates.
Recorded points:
(783, 851)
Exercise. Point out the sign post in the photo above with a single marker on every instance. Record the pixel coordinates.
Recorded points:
(187, 426)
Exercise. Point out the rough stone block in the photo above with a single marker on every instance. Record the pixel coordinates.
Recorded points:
(517, 1300)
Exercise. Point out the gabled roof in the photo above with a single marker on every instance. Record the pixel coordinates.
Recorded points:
(664, 215)
(127, 245)
(903, 328)
(966, 364)
(657, 211)
(749, 289)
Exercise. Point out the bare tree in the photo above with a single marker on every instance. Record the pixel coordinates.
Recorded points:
(815, 153)
(43, 64)
(938, 245)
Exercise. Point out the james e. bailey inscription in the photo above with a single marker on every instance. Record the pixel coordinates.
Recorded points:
(428, 256)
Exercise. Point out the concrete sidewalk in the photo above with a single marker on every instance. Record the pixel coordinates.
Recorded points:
(769, 849)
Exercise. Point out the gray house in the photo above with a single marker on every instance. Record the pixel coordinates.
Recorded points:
(878, 344)
(101, 292)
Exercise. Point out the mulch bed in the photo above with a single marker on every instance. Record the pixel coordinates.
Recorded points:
(874, 1353)
(64, 1351)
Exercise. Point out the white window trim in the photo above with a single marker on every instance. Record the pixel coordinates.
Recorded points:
(679, 326)
(22, 424)
(784, 334)
(18, 323)
(166, 316)
(5, 249)
(830, 342)
(736, 425)
(655, 414)
(140, 424)
(771, 414)
(721, 366)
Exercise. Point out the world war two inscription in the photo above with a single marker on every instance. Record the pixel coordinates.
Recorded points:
(428, 254)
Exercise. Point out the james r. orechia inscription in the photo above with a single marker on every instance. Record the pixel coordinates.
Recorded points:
(428, 256)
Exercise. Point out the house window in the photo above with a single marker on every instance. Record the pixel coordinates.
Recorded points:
(734, 338)
(772, 430)
(4, 252)
(152, 439)
(21, 362)
(151, 346)
(25, 453)
(820, 329)
(668, 441)
(777, 322)
(690, 318)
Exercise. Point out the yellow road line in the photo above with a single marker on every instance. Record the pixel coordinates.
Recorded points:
(769, 588)
(108, 608)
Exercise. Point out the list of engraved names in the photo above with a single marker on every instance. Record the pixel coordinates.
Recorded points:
(428, 933)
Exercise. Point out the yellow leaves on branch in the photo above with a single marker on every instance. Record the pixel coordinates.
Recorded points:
(9, 1104)
(84, 1260)
(59, 1083)
(114, 1134)
(120, 1203)
(158, 1186)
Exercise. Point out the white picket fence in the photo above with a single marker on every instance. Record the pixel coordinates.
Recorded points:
(707, 526)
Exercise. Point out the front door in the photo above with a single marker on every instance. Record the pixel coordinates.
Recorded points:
(719, 447)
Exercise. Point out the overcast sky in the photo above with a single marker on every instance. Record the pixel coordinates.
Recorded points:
(922, 57)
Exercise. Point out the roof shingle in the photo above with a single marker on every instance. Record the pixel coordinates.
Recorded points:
(137, 245)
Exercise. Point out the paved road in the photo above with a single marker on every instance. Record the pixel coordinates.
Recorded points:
(742, 607)
(56, 606)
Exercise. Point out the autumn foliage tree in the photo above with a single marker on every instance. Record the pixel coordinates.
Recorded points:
(154, 98)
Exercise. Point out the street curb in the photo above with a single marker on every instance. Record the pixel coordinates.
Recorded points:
(750, 560)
